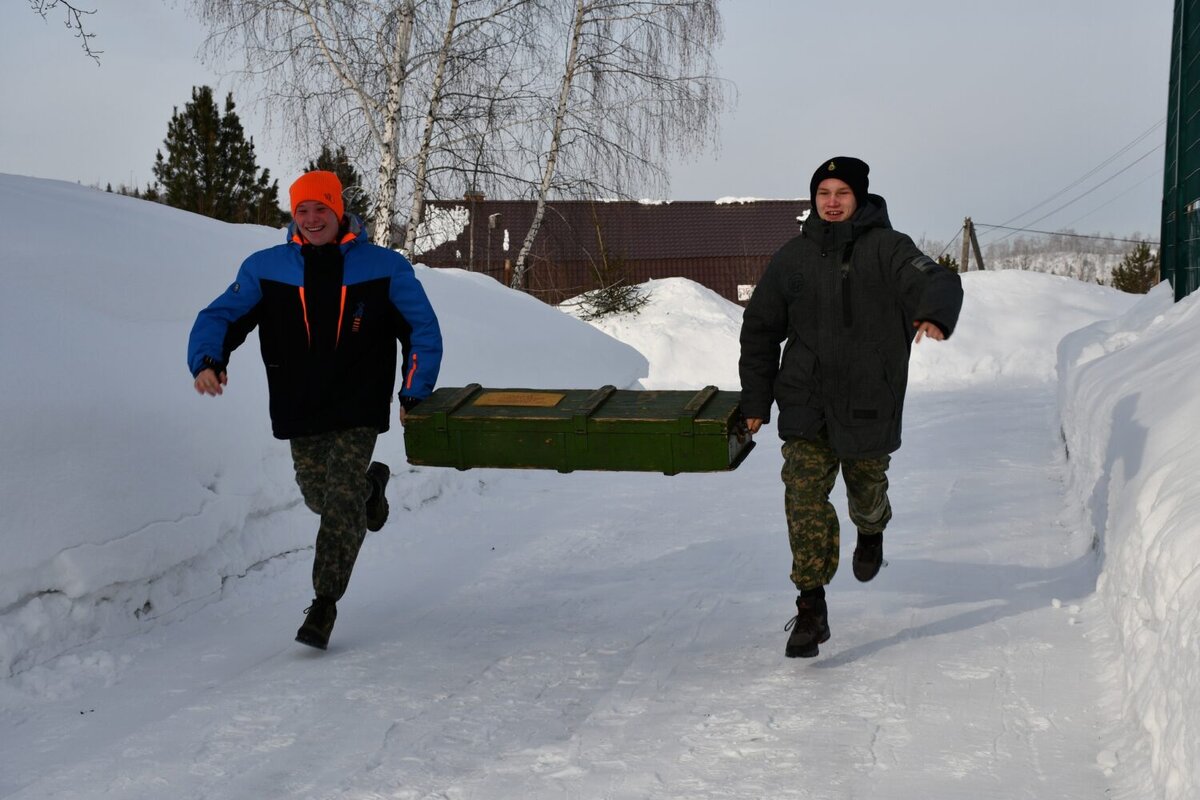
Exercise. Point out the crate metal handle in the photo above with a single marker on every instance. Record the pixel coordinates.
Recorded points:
(590, 406)
(700, 400)
(688, 418)
(453, 403)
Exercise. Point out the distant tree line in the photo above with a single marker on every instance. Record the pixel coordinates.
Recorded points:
(1105, 259)
(1065, 241)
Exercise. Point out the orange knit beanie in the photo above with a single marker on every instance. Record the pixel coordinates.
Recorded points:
(321, 186)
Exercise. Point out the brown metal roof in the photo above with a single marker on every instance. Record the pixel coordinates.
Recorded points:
(634, 231)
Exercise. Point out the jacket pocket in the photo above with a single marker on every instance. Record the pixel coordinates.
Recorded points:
(868, 396)
(796, 382)
(797, 392)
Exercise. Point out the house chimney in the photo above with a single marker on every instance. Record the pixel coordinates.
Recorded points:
(473, 195)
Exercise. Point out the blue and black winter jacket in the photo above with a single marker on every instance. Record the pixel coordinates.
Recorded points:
(328, 320)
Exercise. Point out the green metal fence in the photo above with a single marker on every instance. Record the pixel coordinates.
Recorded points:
(1181, 179)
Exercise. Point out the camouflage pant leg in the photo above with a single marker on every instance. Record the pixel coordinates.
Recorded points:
(866, 490)
(331, 469)
(809, 472)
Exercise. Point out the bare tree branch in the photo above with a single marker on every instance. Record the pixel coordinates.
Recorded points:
(638, 84)
(74, 21)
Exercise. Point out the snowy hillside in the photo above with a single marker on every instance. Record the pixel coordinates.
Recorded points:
(532, 635)
(126, 496)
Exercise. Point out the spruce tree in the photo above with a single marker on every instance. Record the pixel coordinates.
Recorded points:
(1138, 271)
(210, 167)
(354, 197)
(948, 261)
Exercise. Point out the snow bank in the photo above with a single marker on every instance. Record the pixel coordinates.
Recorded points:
(688, 334)
(1009, 323)
(125, 496)
(1129, 401)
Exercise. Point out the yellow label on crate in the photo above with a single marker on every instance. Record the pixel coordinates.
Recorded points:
(521, 399)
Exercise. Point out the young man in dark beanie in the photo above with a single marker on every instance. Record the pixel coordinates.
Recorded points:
(850, 296)
(330, 308)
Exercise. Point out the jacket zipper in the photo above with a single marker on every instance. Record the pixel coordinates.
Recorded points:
(847, 312)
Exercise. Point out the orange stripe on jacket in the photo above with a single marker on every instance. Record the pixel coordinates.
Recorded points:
(341, 316)
(412, 371)
(341, 313)
(304, 308)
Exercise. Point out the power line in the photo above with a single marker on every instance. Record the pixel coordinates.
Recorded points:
(1089, 174)
(1156, 174)
(1094, 188)
(953, 239)
(1061, 233)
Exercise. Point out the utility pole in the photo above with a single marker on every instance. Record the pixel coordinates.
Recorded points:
(969, 243)
(964, 262)
(975, 245)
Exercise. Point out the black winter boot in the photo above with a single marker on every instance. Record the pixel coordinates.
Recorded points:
(316, 629)
(377, 504)
(810, 627)
(868, 556)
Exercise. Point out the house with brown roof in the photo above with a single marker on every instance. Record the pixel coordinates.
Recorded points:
(583, 245)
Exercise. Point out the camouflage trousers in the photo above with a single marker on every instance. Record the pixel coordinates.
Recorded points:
(810, 470)
(331, 469)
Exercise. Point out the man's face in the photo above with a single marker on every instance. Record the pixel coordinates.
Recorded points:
(835, 200)
(316, 221)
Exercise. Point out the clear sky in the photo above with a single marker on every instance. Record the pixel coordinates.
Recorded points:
(980, 109)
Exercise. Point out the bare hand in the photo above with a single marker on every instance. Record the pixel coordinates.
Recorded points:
(753, 424)
(210, 383)
(928, 329)
(403, 416)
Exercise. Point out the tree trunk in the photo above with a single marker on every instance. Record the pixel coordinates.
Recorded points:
(518, 278)
(385, 208)
(420, 181)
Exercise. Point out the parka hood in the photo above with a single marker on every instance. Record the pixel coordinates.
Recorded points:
(352, 229)
(871, 214)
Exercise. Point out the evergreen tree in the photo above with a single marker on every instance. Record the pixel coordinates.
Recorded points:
(210, 167)
(948, 261)
(354, 196)
(1138, 272)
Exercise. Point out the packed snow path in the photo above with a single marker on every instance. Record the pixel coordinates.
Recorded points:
(535, 635)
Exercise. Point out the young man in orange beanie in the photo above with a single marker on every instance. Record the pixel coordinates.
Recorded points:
(329, 307)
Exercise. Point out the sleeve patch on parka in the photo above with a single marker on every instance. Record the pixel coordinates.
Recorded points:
(924, 263)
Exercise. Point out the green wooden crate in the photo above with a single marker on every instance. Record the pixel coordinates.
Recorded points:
(578, 429)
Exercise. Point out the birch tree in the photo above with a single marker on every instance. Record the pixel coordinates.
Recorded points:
(336, 72)
(372, 77)
(637, 83)
(530, 98)
(421, 176)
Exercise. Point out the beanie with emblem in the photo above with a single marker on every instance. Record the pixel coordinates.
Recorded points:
(321, 186)
(852, 171)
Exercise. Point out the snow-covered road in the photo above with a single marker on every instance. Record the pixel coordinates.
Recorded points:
(535, 635)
